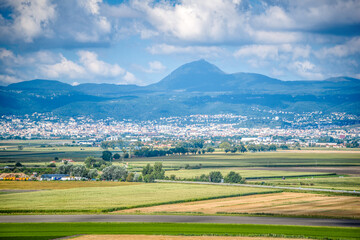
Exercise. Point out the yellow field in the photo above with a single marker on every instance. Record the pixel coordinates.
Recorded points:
(47, 185)
(161, 237)
(285, 203)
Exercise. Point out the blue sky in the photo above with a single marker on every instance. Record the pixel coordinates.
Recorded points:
(141, 41)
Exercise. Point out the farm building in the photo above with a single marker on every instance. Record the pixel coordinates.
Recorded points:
(48, 177)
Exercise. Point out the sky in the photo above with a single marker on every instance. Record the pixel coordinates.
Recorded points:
(142, 41)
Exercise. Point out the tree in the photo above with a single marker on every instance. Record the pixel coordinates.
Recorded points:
(242, 149)
(149, 178)
(104, 145)
(284, 147)
(233, 177)
(215, 176)
(20, 147)
(272, 147)
(151, 173)
(64, 169)
(130, 177)
(210, 150)
(116, 156)
(225, 145)
(198, 143)
(106, 155)
(147, 170)
(114, 173)
(18, 164)
(90, 161)
(79, 171)
(159, 173)
(93, 173)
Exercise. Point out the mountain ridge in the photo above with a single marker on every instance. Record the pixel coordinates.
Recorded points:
(193, 88)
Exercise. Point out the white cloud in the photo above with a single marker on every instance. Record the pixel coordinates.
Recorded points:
(91, 6)
(274, 17)
(194, 20)
(154, 67)
(306, 70)
(7, 79)
(351, 47)
(65, 68)
(130, 78)
(172, 49)
(273, 52)
(92, 64)
(260, 51)
(30, 19)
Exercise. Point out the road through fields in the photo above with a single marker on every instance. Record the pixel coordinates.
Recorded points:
(180, 219)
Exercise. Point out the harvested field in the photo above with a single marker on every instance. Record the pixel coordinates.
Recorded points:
(161, 237)
(285, 203)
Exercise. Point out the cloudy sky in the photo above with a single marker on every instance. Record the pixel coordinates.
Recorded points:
(141, 41)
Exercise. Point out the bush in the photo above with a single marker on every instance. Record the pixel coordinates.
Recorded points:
(116, 156)
(233, 177)
(52, 165)
(106, 155)
(215, 176)
(149, 178)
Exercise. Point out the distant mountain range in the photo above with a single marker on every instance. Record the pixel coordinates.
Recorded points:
(194, 88)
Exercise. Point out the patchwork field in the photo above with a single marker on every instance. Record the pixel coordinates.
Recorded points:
(285, 203)
(105, 199)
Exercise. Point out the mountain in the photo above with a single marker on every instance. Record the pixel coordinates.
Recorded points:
(37, 84)
(194, 88)
(195, 76)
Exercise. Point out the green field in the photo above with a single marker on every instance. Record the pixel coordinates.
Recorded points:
(343, 183)
(97, 199)
(191, 173)
(45, 231)
(51, 185)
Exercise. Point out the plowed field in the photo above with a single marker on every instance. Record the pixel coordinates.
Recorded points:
(285, 203)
